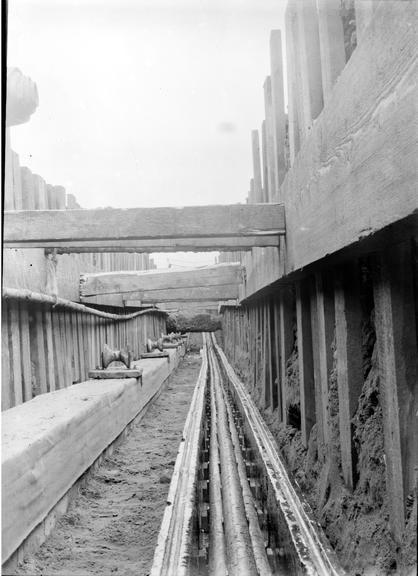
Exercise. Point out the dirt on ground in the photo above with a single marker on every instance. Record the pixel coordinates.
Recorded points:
(112, 526)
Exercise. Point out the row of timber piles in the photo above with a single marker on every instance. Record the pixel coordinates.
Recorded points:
(46, 347)
(332, 362)
(27, 191)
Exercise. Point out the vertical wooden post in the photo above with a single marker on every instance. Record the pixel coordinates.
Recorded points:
(38, 350)
(325, 322)
(75, 350)
(279, 118)
(331, 39)
(310, 63)
(293, 87)
(270, 149)
(286, 302)
(49, 349)
(9, 201)
(60, 200)
(40, 195)
(319, 412)
(305, 360)
(28, 196)
(257, 191)
(17, 182)
(25, 351)
(16, 361)
(65, 351)
(58, 350)
(6, 396)
(266, 191)
(348, 335)
(396, 339)
(275, 365)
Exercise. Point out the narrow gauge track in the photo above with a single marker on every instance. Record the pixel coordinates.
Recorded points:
(231, 508)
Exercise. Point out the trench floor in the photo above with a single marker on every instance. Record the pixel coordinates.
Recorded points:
(111, 527)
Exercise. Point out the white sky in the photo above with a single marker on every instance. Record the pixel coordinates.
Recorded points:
(144, 102)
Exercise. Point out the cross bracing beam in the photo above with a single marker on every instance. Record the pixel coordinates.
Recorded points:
(198, 294)
(133, 282)
(197, 228)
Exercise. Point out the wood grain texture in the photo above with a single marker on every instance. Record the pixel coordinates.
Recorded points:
(162, 279)
(331, 40)
(6, 396)
(198, 294)
(279, 118)
(233, 244)
(348, 335)
(257, 192)
(306, 361)
(37, 228)
(46, 448)
(396, 339)
(38, 350)
(357, 171)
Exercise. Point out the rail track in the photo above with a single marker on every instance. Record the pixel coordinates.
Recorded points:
(231, 508)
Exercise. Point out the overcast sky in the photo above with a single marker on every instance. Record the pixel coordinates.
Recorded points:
(143, 102)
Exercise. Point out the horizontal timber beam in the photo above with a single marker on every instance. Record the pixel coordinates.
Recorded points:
(149, 246)
(220, 275)
(154, 227)
(198, 294)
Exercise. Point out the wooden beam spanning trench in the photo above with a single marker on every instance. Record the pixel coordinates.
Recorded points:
(233, 226)
(220, 275)
(199, 294)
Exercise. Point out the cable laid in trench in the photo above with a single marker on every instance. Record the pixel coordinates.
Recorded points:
(240, 555)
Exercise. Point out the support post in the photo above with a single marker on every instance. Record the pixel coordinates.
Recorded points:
(256, 183)
(279, 118)
(270, 154)
(396, 339)
(305, 358)
(348, 333)
(286, 303)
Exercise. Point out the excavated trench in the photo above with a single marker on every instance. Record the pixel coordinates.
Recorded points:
(240, 513)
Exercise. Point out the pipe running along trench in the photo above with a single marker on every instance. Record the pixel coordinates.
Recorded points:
(237, 542)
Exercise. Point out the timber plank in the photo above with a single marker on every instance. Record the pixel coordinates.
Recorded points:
(133, 281)
(201, 293)
(286, 305)
(305, 360)
(38, 350)
(40, 227)
(49, 349)
(6, 396)
(357, 170)
(25, 351)
(396, 339)
(16, 360)
(325, 311)
(348, 334)
(279, 119)
(59, 351)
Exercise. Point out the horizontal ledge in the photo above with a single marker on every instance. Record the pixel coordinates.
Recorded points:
(156, 227)
(219, 243)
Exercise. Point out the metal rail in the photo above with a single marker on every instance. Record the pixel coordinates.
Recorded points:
(238, 538)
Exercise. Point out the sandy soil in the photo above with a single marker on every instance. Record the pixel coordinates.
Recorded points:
(112, 526)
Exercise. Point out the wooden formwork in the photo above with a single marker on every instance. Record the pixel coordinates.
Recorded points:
(329, 315)
(46, 349)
